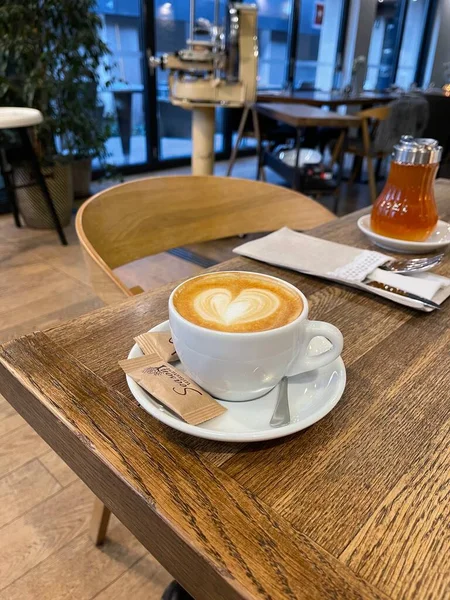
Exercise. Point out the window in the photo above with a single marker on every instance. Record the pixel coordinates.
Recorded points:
(381, 59)
(273, 27)
(148, 129)
(174, 122)
(318, 41)
(396, 42)
(124, 100)
(409, 51)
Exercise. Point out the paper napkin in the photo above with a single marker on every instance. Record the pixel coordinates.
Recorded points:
(345, 264)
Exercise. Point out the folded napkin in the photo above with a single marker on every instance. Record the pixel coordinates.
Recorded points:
(345, 264)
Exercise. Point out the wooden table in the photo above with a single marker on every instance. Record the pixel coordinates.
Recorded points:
(301, 116)
(356, 506)
(331, 99)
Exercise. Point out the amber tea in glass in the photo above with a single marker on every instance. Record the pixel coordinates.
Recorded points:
(406, 208)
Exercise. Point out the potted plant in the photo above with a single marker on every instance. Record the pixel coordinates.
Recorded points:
(52, 58)
(86, 136)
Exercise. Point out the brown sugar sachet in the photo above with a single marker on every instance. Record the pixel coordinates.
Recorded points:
(160, 343)
(173, 388)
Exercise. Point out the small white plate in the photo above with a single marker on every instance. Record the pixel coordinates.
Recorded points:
(438, 240)
(311, 396)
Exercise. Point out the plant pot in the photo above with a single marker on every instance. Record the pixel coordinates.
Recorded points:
(81, 177)
(31, 202)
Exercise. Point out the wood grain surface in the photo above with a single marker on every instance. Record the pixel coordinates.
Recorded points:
(301, 115)
(168, 212)
(356, 506)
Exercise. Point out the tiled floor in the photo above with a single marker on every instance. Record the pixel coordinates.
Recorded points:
(45, 551)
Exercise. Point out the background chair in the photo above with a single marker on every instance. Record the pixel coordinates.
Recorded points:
(438, 128)
(383, 126)
(364, 147)
(140, 218)
(20, 120)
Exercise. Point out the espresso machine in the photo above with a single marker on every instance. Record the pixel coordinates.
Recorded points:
(218, 67)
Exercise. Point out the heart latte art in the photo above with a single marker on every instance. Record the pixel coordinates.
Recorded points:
(237, 302)
(218, 305)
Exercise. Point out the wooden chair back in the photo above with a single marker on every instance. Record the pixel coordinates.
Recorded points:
(370, 119)
(148, 216)
(380, 113)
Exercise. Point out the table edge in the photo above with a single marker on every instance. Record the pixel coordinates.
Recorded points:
(42, 413)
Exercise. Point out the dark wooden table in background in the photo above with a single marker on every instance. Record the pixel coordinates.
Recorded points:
(356, 506)
(331, 99)
(301, 116)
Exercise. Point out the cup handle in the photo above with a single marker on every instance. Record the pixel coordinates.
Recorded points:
(303, 362)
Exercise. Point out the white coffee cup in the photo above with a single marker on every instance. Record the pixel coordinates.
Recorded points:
(244, 366)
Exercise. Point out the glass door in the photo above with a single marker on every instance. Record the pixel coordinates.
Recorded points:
(273, 34)
(147, 129)
(415, 25)
(174, 123)
(171, 33)
(383, 41)
(123, 101)
(320, 36)
(396, 43)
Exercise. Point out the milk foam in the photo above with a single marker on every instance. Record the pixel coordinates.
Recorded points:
(237, 302)
(217, 305)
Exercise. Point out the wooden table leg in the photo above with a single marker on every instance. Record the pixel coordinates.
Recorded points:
(6, 171)
(175, 592)
(338, 158)
(99, 522)
(370, 170)
(337, 151)
(261, 173)
(356, 168)
(238, 140)
(296, 176)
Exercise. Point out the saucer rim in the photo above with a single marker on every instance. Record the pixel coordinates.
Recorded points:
(394, 243)
(225, 436)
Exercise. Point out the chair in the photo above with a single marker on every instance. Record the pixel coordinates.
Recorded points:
(148, 216)
(364, 147)
(21, 119)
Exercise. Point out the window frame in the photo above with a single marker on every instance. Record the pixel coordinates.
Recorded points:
(148, 43)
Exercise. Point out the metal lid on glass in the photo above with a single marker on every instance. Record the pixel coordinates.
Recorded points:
(417, 151)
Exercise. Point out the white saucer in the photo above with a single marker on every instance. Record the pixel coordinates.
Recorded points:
(311, 396)
(438, 240)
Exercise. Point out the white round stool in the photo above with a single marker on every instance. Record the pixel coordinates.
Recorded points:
(19, 119)
(12, 117)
